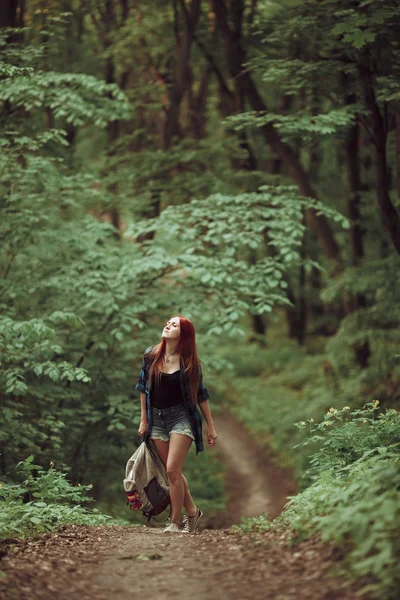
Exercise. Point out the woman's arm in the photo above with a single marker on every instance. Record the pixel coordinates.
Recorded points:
(211, 434)
(143, 408)
(141, 387)
(143, 418)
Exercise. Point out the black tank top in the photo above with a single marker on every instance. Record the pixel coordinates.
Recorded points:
(169, 392)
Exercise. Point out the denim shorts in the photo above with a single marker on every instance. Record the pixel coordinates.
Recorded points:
(174, 419)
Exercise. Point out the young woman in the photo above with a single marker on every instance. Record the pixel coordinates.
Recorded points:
(172, 388)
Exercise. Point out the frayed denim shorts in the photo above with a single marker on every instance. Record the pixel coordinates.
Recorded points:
(174, 419)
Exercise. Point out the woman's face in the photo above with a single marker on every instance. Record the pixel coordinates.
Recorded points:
(172, 329)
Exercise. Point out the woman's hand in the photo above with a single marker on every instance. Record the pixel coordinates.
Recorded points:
(211, 435)
(143, 427)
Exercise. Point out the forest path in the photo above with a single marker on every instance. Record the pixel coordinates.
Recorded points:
(114, 562)
(255, 484)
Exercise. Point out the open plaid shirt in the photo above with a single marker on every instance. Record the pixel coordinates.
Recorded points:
(143, 385)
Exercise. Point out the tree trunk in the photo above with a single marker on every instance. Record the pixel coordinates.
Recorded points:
(178, 87)
(352, 147)
(12, 13)
(198, 105)
(362, 351)
(109, 25)
(389, 216)
(113, 132)
(397, 148)
(184, 39)
(257, 321)
(353, 201)
(3, 464)
(296, 315)
(227, 105)
(236, 59)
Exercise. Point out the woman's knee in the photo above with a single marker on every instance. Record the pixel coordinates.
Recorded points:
(174, 473)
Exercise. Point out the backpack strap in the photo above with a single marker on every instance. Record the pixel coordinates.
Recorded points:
(150, 516)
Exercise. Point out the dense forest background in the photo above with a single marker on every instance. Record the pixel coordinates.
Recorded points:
(234, 161)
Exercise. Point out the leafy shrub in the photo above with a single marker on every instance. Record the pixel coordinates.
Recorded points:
(355, 497)
(44, 500)
(348, 436)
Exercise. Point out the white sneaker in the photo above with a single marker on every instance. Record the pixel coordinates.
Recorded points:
(172, 527)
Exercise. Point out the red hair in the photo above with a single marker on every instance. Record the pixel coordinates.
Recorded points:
(188, 353)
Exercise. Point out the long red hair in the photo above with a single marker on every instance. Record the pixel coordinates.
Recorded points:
(188, 354)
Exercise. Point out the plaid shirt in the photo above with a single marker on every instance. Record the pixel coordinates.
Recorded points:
(143, 385)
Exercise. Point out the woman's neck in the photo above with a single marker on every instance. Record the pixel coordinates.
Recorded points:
(170, 347)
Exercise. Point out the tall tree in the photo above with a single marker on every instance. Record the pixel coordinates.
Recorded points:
(230, 25)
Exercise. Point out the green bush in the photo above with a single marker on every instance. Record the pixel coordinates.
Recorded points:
(43, 501)
(355, 497)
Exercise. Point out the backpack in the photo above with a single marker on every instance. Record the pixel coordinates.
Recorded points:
(146, 483)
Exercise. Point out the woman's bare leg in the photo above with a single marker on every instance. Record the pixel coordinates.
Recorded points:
(162, 450)
(178, 448)
(188, 503)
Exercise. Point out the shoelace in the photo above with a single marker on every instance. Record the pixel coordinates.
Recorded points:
(188, 523)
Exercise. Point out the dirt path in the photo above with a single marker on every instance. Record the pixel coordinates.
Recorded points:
(115, 562)
(255, 484)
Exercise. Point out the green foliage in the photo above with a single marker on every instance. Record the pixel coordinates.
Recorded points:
(79, 99)
(374, 322)
(214, 238)
(69, 293)
(355, 497)
(24, 344)
(67, 288)
(43, 501)
(74, 297)
(251, 525)
(351, 436)
(332, 122)
(360, 26)
(356, 494)
(200, 168)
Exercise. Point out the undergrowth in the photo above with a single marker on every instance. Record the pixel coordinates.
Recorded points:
(355, 495)
(43, 501)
